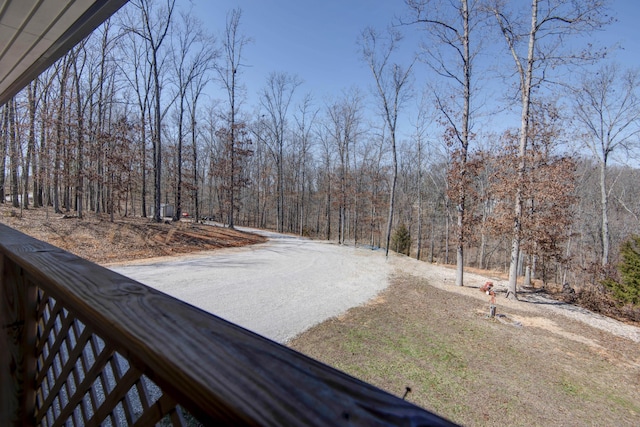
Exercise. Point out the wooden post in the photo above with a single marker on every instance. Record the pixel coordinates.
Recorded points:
(17, 346)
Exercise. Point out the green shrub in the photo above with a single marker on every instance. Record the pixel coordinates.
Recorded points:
(627, 289)
(401, 240)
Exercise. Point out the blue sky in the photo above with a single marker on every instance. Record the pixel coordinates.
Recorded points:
(316, 40)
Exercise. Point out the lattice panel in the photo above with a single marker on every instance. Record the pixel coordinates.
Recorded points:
(81, 380)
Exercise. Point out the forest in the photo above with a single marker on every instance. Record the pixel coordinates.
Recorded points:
(122, 126)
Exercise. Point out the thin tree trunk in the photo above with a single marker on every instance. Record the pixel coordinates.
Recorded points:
(80, 146)
(526, 79)
(446, 231)
(4, 141)
(419, 243)
(32, 88)
(195, 161)
(178, 210)
(464, 147)
(143, 154)
(604, 201)
(392, 195)
(59, 143)
(44, 156)
(328, 210)
(13, 155)
(157, 138)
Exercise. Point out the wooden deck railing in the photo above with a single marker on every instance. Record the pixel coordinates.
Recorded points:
(82, 345)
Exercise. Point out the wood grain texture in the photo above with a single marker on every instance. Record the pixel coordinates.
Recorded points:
(220, 372)
(17, 342)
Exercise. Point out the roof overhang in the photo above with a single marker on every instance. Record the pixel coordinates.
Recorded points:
(35, 33)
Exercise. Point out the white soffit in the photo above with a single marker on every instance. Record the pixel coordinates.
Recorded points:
(35, 33)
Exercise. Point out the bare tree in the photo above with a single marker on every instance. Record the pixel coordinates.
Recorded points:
(30, 159)
(62, 70)
(276, 99)
(422, 153)
(154, 27)
(138, 74)
(449, 53)
(192, 57)
(102, 76)
(13, 153)
(79, 63)
(607, 107)
(196, 89)
(305, 121)
(325, 178)
(374, 170)
(233, 44)
(42, 194)
(392, 90)
(537, 50)
(343, 123)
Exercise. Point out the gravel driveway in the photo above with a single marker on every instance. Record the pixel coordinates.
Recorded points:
(277, 289)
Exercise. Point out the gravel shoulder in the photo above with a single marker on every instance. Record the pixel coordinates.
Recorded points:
(538, 305)
(277, 289)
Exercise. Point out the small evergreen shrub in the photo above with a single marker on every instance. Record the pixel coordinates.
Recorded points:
(627, 289)
(401, 240)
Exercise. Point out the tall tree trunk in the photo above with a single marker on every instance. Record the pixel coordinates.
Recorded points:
(464, 147)
(80, 145)
(328, 208)
(143, 155)
(419, 242)
(392, 194)
(178, 209)
(59, 142)
(525, 87)
(14, 155)
(447, 220)
(44, 152)
(232, 132)
(31, 90)
(194, 147)
(604, 202)
(4, 141)
(390, 82)
(157, 141)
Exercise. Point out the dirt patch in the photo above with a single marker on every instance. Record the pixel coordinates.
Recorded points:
(536, 368)
(98, 239)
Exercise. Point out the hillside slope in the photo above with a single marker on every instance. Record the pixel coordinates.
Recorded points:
(99, 240)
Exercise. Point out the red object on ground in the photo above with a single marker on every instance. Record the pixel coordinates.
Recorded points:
(486, 287)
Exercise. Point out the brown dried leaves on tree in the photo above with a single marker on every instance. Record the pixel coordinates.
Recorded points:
(548, 190)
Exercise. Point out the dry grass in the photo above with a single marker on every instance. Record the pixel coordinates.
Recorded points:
(99, 240)
(482, 372)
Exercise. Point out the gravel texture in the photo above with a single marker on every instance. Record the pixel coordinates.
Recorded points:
(277, 289)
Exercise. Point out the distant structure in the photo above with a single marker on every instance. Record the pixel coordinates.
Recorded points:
(166, 210)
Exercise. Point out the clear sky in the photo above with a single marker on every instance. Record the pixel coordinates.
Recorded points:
(317, 39)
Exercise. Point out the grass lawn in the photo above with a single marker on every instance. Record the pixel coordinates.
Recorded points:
(478, 371)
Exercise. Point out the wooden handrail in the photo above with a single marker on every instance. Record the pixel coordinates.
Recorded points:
(91, 344)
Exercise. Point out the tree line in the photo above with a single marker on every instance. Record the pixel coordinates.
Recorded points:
(123, 125)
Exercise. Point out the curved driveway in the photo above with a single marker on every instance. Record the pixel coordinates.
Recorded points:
(277, 289)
